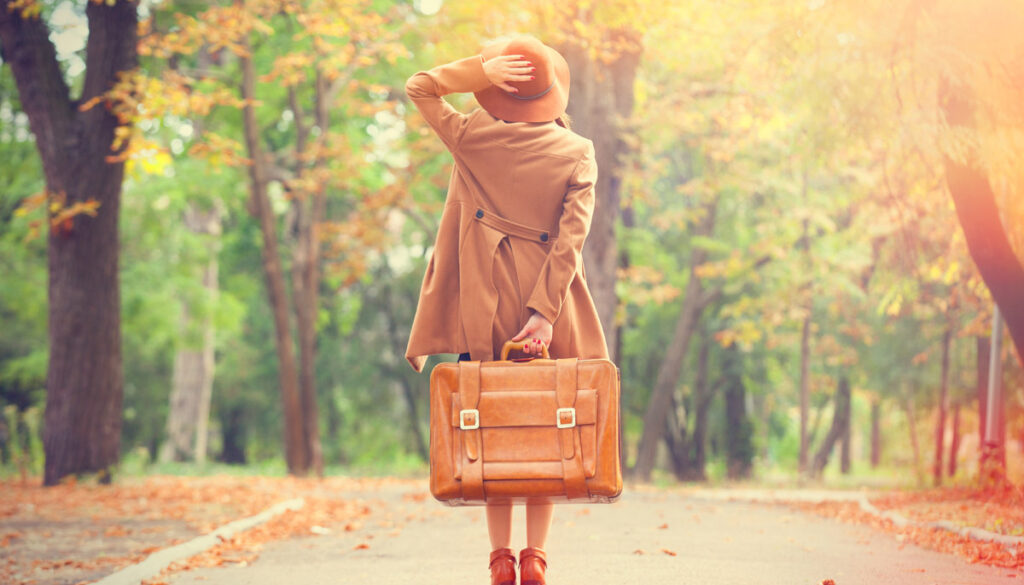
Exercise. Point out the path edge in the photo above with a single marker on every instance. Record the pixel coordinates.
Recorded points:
(814, 497)
(152, 565)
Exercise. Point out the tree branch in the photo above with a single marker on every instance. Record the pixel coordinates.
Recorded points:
(45, 96)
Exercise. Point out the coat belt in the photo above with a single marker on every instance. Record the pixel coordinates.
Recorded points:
(511, 228)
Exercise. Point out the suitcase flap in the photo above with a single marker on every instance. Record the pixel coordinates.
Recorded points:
(531, 408)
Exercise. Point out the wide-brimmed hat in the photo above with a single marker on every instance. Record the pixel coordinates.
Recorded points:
(541, 99)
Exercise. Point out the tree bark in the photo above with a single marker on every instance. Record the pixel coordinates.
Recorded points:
(84, 377)
(704, 393)
(676, 439)
(233, 435)
(192, 379)
(739, 448)
(308, 209)
(984, 347)
(602, 97)
(940, 425)
(978, 213)
(694, 301)
(876, 434)
(296, 452)
(840, 422)
(844, 446)
(908, 407)
(954, 446)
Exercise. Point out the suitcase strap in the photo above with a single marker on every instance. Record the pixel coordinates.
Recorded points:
(473, 468)
(568, 435)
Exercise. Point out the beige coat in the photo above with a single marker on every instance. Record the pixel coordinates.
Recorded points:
(519, 206)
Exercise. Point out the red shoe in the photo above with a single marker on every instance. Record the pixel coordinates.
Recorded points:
(503, 567)
(532, 564)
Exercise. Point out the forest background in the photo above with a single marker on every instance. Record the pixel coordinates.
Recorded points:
(802, 211)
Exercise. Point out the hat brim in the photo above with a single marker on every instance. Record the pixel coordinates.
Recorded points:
(545, 108)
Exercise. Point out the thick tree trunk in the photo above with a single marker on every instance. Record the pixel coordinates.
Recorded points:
(694, 301)
(840, 422)
(940, 425)
(192, 378)
(978, 213)
(296, 452)
(602, 96)
(876, 433)
(84, 377)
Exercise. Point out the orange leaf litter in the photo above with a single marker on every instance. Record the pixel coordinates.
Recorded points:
(80, 533)
(997, 510)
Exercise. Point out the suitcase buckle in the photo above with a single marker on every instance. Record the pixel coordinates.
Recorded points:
(559, 418)
(474, 419)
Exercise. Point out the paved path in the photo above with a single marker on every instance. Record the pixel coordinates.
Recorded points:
(647, 538)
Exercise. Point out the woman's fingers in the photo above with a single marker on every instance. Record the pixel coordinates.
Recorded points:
(511, 68)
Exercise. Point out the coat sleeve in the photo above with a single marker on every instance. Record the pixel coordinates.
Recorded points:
(565, 258)
(426, 88)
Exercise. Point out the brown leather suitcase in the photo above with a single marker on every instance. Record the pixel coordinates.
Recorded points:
(538, 429)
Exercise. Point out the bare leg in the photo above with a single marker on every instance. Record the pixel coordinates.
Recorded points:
(538, 523)
(499, 525)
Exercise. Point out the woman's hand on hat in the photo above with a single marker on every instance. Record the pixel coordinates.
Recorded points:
(537, 333)
(502, 69)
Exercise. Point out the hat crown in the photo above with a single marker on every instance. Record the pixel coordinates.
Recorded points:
(537, 54)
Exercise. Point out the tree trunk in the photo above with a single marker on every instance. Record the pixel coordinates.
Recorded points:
(296, 453)
(233, 435)
(694, 301)
(876, 433)
(422, 449)
(840, 422)
(984, 346)
(704, 394)
(85, 387)
(978, 213)
(954, 446)
(739, 448)
(602, 96)
(308, 209)
(676, 439)
(940, 425)
(908, 407)
(192, 378)
(805, 390)
(844, 446)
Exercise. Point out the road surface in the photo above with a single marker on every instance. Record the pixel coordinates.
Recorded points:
(648, 537)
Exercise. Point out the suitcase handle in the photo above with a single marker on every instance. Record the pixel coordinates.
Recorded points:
(510, 345)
